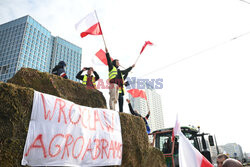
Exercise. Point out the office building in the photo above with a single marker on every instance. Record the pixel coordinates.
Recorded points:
(155, 120)
(70, 53)
(233, 150)
(26, 43)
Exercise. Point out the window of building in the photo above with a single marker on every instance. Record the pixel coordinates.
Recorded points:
(5, 69)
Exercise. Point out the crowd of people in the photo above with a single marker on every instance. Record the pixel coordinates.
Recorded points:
(116, 91)
(117, 79)
(117, 83)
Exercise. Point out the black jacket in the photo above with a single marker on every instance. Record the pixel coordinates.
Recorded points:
(89, 83)
(137, 114)
(80, 77)
(59, 70)
(118, 78)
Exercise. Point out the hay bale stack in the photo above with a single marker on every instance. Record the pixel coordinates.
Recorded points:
(58, 86)
(137, 151)
(16, 106)
(15, 111)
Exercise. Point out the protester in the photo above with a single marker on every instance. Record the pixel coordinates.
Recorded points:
(116, 80)
(167, 146)
(59, 70)
(220, 159)
(89, 80)
(134, 112)
(231, 163)
(176, 146)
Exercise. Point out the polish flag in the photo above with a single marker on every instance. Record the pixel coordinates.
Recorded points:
(137, 93)
(188, 154)
(89, 25)
(144, 46)
(102, 56)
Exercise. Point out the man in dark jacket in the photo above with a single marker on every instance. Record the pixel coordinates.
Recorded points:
(89, 80)
(59, 70)
(134, 112)
(116, 80)
(167, 146)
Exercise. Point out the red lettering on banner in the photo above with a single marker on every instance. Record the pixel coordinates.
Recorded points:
(57, 145)
(89, 118)
(88, 148)
(34, 145)
(46, 115)
(97, 147)
(104, 147)
(118, 149)
(82, 120)
(80, 137)
(96, 119)
(109, 128)
(89, 121)
(62, 105)
(67, 144)
(70, 110)
(111, 147)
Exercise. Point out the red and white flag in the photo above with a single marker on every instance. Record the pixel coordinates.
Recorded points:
(176, 129)
(144, 46)
(89, 25)
(188, 154)
(102, 56)
(137, 93)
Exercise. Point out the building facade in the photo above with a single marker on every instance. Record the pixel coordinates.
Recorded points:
(70, 53)
(233, 150)
(26, 43)
(153, 104)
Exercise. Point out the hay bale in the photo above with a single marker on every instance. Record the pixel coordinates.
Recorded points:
(135, 139)
(137, 151)
(16, 106)
(58, 86)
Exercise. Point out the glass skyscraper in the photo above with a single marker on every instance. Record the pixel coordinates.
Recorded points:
(26, 43)
(69, 53)
(155, 120)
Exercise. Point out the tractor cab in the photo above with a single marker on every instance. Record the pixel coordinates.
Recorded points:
(168, 144)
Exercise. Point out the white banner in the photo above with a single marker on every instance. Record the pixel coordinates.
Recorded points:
(62, 133)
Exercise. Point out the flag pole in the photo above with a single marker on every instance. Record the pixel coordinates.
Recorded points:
(147, 104)
(102, 33)
(144, 46)
(146, 96)
(137, 58)
(101, 30)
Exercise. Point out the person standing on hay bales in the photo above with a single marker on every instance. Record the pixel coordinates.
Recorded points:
(59, 70)
(89, 80)
(116, 80)
(134, 112)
